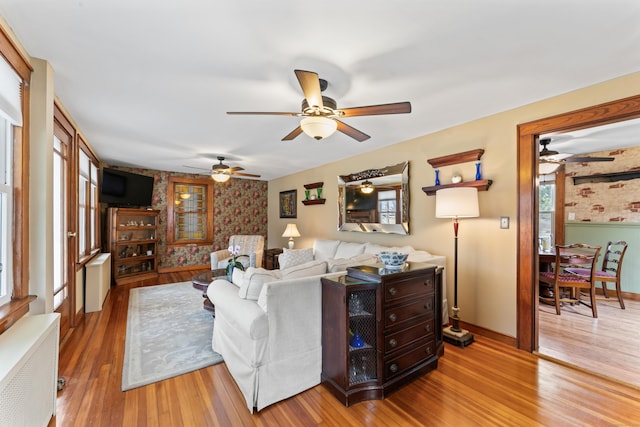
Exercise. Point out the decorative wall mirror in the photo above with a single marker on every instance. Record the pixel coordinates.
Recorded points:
(375, 200)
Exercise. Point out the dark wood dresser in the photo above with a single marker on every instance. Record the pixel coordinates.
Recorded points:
(395, 314)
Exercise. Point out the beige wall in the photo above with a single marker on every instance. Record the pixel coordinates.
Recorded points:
(487, 254)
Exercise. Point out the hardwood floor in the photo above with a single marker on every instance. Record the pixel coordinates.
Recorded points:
(487, 383)
(607, 345)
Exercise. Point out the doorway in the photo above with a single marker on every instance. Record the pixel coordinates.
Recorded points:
(527, 260)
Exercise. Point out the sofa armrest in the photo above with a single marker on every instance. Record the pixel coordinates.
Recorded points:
(243, 315)
(218, 256)
(294, 310)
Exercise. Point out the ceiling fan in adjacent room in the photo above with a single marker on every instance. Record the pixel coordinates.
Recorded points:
(551, 160)
(221, 172)
(320, 113)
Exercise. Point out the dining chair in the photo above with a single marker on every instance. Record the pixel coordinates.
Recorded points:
(567, 287)
(611, 269)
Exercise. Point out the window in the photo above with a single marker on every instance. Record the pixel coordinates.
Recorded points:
(190, 211)
(547, 214)
(387, 207)
(88, 240)
(6, 198)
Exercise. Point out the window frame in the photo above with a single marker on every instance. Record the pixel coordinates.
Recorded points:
(171, 212)
(91, 232)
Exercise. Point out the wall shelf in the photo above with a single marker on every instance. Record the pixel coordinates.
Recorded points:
(316, 201)
(606, 177)
(454, 159)
(481, 185)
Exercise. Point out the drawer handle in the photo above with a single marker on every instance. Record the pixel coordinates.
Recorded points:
(427, 282)
(427, 306)
(393, 342)
(393, 367)
(393, 317)
(428, 350)
(393, 291)
(427, 328)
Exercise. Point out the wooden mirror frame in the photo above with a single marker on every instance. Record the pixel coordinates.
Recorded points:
(527, 256)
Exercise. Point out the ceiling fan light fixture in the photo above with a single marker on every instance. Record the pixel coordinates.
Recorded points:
(218, 175)
(367, 187)
(318, 127)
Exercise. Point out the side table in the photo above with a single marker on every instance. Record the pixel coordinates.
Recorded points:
(271, 258)
(201, 282)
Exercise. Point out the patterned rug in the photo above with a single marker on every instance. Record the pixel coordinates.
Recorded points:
(168, 334)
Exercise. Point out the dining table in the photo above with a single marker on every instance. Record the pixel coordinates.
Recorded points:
(568, 256)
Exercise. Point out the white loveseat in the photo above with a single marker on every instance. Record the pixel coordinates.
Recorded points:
(268, 322)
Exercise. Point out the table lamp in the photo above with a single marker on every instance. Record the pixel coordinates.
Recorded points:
(291, 231)
(458, 202)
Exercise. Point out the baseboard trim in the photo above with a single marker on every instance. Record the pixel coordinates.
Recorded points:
(487, 333)
(184, 268)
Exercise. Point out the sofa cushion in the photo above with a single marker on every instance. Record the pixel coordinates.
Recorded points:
(254, 279)
(324, 249)
(420, 256)
(373, 248)
(349, 250)
(291, 257)
(311, 268)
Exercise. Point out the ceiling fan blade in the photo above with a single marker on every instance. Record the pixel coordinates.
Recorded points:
(263, 113)
(374, 110)
(246, 174)
(294, 133)
(235, 168)
(195, 167)
(310, 84)
(352, 132)
(589, 159)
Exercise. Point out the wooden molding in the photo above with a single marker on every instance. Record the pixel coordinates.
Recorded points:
(453, 159)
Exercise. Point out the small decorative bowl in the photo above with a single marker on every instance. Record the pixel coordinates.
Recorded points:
(392, 259)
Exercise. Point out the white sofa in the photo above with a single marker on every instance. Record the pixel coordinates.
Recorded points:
(268, 323)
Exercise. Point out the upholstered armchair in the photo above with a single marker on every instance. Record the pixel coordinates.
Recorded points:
(250, 245)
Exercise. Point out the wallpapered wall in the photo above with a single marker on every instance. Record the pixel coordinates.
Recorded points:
(605, 201)
(239, 207)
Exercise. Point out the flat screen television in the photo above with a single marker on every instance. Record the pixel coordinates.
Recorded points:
(126, 189)
(358, 201)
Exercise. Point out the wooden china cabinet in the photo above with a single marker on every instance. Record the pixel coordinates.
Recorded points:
(395, 314)
(132, 240)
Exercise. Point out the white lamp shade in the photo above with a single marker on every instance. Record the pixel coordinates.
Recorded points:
(459, 202)
(318, 127)
(291, 231)
(220, 177)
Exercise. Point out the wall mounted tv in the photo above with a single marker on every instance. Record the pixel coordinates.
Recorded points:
(120, 188)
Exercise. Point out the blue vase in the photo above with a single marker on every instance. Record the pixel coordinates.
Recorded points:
(478, 173)
(437, 177)
(357, 341)
(230, 272)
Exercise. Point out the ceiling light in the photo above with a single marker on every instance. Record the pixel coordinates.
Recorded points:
(218, 175)
(367, 187)
(318, 127)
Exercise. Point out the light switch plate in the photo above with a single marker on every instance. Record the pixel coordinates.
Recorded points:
(504, 222)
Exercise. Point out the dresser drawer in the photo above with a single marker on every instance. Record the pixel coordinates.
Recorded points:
(397, 290)
(399, 364)
(397, 315)
(398, 340)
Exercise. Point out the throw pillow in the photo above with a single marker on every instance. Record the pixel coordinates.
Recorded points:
(254, 279)
(237, 277)
(291, 257)
(349, 250)
(325, 249)
(311, 268)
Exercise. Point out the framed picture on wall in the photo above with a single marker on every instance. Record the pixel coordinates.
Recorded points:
(288, 200)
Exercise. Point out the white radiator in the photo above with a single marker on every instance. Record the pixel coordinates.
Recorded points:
(97, 282)
(29, 371)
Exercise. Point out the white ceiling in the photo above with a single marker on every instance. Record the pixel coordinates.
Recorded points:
(149, 81)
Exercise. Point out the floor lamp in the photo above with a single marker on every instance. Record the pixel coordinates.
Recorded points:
(458, 202)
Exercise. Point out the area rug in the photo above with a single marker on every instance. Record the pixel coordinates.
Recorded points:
(168, 334)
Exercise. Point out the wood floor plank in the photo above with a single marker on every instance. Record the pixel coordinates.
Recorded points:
(487, 383)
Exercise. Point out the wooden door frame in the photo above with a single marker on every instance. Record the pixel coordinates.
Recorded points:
(527, 149)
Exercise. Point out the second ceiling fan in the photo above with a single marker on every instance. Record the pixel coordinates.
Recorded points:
(320, 114)
(550, 160)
